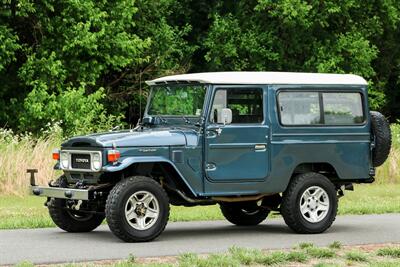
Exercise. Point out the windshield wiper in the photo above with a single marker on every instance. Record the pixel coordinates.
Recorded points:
(161, 119)
(200, 121)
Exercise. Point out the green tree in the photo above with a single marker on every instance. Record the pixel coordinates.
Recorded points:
(311, 36)
(58, 52)
(56, 56)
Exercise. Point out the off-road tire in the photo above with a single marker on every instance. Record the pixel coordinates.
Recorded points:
(115, 209)
(290, 207)
(69, 220)
(243, 213)
(383, 138)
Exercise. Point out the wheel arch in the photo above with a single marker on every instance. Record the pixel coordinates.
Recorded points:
(154, 167)
(323, 168)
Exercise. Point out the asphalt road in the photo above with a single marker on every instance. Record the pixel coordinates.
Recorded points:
(53, 245)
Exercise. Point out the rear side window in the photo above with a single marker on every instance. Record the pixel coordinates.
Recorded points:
(342, 108)
(299, 108)
(320, 108)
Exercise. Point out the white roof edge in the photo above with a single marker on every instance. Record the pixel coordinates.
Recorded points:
(248, 77)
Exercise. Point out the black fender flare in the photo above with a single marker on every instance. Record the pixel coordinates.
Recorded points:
(129, 161)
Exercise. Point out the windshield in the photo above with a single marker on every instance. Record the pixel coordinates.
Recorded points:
(177, 100)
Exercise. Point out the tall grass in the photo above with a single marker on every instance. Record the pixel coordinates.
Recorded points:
(389, 172)
(21, 152)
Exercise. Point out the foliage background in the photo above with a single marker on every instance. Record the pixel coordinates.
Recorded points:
(82, 64)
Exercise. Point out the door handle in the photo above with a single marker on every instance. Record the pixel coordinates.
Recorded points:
(260, 147)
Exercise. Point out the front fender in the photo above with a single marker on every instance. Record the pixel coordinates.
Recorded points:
(126, 162)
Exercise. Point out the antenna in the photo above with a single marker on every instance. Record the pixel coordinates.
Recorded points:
(140, 97)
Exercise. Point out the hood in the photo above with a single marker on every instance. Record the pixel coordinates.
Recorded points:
(131, 138)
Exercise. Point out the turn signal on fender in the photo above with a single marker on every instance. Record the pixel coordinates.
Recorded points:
(113, 155)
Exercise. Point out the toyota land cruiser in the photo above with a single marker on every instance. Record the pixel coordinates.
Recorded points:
(251, 142)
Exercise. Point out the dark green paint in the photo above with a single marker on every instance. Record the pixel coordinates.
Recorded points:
(213, 164)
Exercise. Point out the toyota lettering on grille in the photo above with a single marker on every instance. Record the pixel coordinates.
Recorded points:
(82, 160)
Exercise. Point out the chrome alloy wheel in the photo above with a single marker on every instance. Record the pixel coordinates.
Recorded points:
(314, 204)
(142, 210)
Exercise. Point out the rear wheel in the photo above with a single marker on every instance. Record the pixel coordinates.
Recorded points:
(72, 220)
(137, 209)
(244, 213)
(309, 204)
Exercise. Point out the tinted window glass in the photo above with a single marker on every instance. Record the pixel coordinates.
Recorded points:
(299, 108)
(246, 104)
(342, 108)
(177, 100)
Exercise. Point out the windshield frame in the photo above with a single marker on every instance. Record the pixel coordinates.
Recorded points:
(154, 87)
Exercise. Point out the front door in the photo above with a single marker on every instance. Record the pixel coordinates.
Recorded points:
(238, 152)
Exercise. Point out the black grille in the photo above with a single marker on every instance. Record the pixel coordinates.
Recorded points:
(80, 161)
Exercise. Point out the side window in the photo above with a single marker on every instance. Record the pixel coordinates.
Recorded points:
(299, 108)
(342, 108)
(246, 104)
(320, 108)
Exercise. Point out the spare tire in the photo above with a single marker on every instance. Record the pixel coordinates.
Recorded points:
(383, 138)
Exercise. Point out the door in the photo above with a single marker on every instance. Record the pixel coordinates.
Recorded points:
(237, 152)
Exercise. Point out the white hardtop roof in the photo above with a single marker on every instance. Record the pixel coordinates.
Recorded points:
(248, 77)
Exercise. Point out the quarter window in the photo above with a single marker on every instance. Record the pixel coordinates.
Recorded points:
(246, 104)
(320, 108)
(342, 108)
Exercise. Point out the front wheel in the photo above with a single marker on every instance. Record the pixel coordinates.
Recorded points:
(70, 220)
(309, 204)
(137, 209)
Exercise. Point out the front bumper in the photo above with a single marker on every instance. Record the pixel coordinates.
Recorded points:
(56, 192)
(65, 193)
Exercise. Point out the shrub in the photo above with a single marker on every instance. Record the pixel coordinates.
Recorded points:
(78, 112)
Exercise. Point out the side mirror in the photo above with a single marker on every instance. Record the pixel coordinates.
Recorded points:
(224, 115)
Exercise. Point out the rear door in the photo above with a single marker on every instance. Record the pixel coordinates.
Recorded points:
(238, 152)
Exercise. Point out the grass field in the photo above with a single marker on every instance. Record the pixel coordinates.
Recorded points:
(29, 212)
(305, 254)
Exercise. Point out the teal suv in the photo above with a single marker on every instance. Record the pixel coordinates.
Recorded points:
(251, 142)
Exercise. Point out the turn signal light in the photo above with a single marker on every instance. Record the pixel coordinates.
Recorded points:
(56, 154)
(113, 155)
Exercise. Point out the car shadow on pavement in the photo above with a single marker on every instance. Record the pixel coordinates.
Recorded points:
(221, 231)
(175, 233)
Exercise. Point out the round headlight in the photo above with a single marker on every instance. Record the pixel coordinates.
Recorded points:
(64, 160)
(96, 162)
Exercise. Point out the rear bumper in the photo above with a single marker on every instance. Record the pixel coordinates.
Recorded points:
(65, 193)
